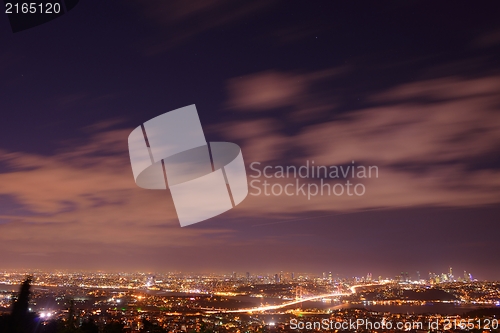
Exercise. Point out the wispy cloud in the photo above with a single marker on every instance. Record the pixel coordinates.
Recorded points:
(273, 89)
(433, 141)
(85, 198)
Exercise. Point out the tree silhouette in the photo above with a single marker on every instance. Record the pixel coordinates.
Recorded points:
(21, 306)
(20, 319)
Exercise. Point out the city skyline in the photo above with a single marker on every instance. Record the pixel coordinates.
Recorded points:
(402, 276)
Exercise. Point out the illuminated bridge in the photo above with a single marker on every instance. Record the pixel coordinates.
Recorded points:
(284, 305)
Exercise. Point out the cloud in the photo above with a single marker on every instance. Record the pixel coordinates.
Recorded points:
(272, 89)
(442, 89)
(84, 199)
(262, 137)
(265, 90)
(433, 141)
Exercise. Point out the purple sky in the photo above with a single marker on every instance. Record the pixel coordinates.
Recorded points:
(409, 87)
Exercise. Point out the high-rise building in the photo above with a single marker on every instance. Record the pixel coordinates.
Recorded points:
(150, 281)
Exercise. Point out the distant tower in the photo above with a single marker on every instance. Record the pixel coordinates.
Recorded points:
(418, 275)
(276, 278)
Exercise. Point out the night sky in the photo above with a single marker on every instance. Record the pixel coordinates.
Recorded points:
(410, 87)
